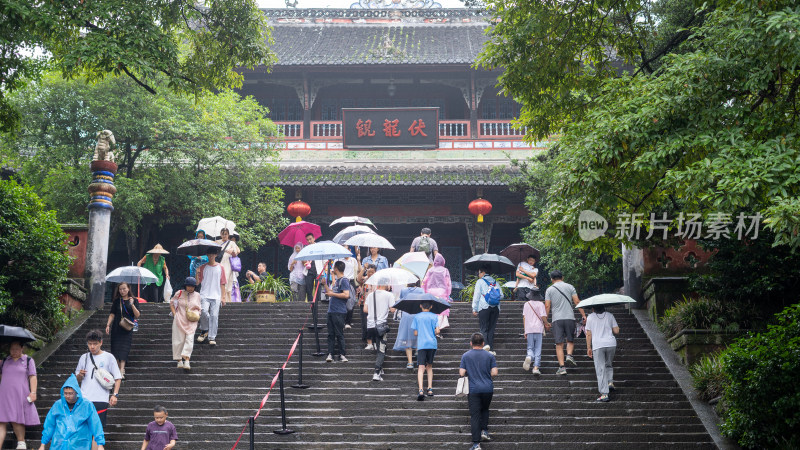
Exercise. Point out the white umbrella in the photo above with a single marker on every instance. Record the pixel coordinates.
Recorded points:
(415, 262)
(369, 240)
(392, 277)
(322, 250)
(605, 300)
(131, 274)
(354, 220)
(510, 284)
(349, 232)
(213, 225)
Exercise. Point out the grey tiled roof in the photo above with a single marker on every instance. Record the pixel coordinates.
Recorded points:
(407, 175)
(400, 43)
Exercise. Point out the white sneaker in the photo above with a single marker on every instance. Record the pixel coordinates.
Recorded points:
(212, 342)
(376, 377)
(342, 358)
(347, 326)
(329, 358)
(202, 337)
(535, 371)
(369, 347)
(21, 445)
(180, 364)
(527, 364)
(186, 365)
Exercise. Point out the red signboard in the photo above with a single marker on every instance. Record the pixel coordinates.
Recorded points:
(390, 128)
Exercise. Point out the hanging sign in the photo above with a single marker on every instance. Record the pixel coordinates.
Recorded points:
(390, 128)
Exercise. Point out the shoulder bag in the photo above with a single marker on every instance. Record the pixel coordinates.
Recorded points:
(124, 322)
(351, 301)
(191, 315)
(544, 329)
(382, 328)
(462, 387)
(580, 328)
(222, 252)
(102, 376)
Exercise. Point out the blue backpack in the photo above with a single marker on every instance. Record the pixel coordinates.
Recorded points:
(494, 295)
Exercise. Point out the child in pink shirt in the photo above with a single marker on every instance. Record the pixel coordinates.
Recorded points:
(535, 321)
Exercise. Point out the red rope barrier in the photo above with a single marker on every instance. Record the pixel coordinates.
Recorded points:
(291, 352)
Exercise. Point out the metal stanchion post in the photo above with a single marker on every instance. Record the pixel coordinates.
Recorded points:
(283, 429)
(316, 331)
(252, 433)
(300, 384)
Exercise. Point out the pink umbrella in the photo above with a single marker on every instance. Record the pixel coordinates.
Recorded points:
(297, 231)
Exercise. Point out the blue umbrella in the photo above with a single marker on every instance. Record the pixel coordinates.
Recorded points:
(410, 303)
(322, 250)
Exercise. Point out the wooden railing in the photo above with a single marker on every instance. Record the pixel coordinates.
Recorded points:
(292, 131)
(454, 129)
(498, 128)
(448, 129)
(326, 129)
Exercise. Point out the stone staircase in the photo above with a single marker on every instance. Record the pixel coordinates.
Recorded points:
(344, 409)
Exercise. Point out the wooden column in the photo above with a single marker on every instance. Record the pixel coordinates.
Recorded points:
(473, 108)
(306, 109)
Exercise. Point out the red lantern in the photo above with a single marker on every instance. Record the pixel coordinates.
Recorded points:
(480, 207)
(298, 209)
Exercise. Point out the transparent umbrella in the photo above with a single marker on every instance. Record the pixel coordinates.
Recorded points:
(351, 231)
(393, 276)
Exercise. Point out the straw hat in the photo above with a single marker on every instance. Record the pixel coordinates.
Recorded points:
(158, 249)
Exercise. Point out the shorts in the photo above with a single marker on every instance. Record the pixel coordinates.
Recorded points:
(564, 330)
(101, 406)
(425, 356)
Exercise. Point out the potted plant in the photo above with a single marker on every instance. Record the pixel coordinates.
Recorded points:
(269, 289)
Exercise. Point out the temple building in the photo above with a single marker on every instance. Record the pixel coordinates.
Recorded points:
(420, 60)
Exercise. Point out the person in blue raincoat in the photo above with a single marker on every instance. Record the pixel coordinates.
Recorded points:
(72, 421)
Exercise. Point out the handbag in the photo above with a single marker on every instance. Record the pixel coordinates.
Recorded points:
(236, 264)
(102, 376)
(462, 387)
(124, 322)
(191, 314)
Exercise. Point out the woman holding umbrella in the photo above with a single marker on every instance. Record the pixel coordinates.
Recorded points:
(197, 261)
(125, 306)
(437, 282)
(18, 384)
(158, 265)
(229, 249)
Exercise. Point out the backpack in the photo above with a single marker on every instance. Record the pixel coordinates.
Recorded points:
(494, 295)
(424, 245)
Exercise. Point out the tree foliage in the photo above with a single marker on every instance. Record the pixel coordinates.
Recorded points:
(590, 273)
(705, 120)
(183, 45)
(179, 160)
(33, 261)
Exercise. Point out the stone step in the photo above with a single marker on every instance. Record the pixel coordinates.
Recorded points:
(343, 408)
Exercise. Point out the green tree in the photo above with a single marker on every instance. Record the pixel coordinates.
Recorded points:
(183, 45)
(712, 128)
(179, 158)
(33, 261)
(590, 272)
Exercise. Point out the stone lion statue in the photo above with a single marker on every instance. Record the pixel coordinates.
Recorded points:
(102, 152)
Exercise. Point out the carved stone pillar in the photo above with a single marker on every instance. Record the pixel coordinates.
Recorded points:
(479, 235)
(102, 190)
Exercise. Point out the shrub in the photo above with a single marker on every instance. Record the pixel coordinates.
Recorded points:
(708, 377)
(707, 314)
(469, 288)
(763, 395)
(33, 261)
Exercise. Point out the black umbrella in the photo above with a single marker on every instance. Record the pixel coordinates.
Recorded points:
(198, 247)
(519, 252)
(496, 263)
(410, 303)
(11, 334)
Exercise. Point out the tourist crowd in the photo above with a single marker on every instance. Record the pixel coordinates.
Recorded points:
(77, 420)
